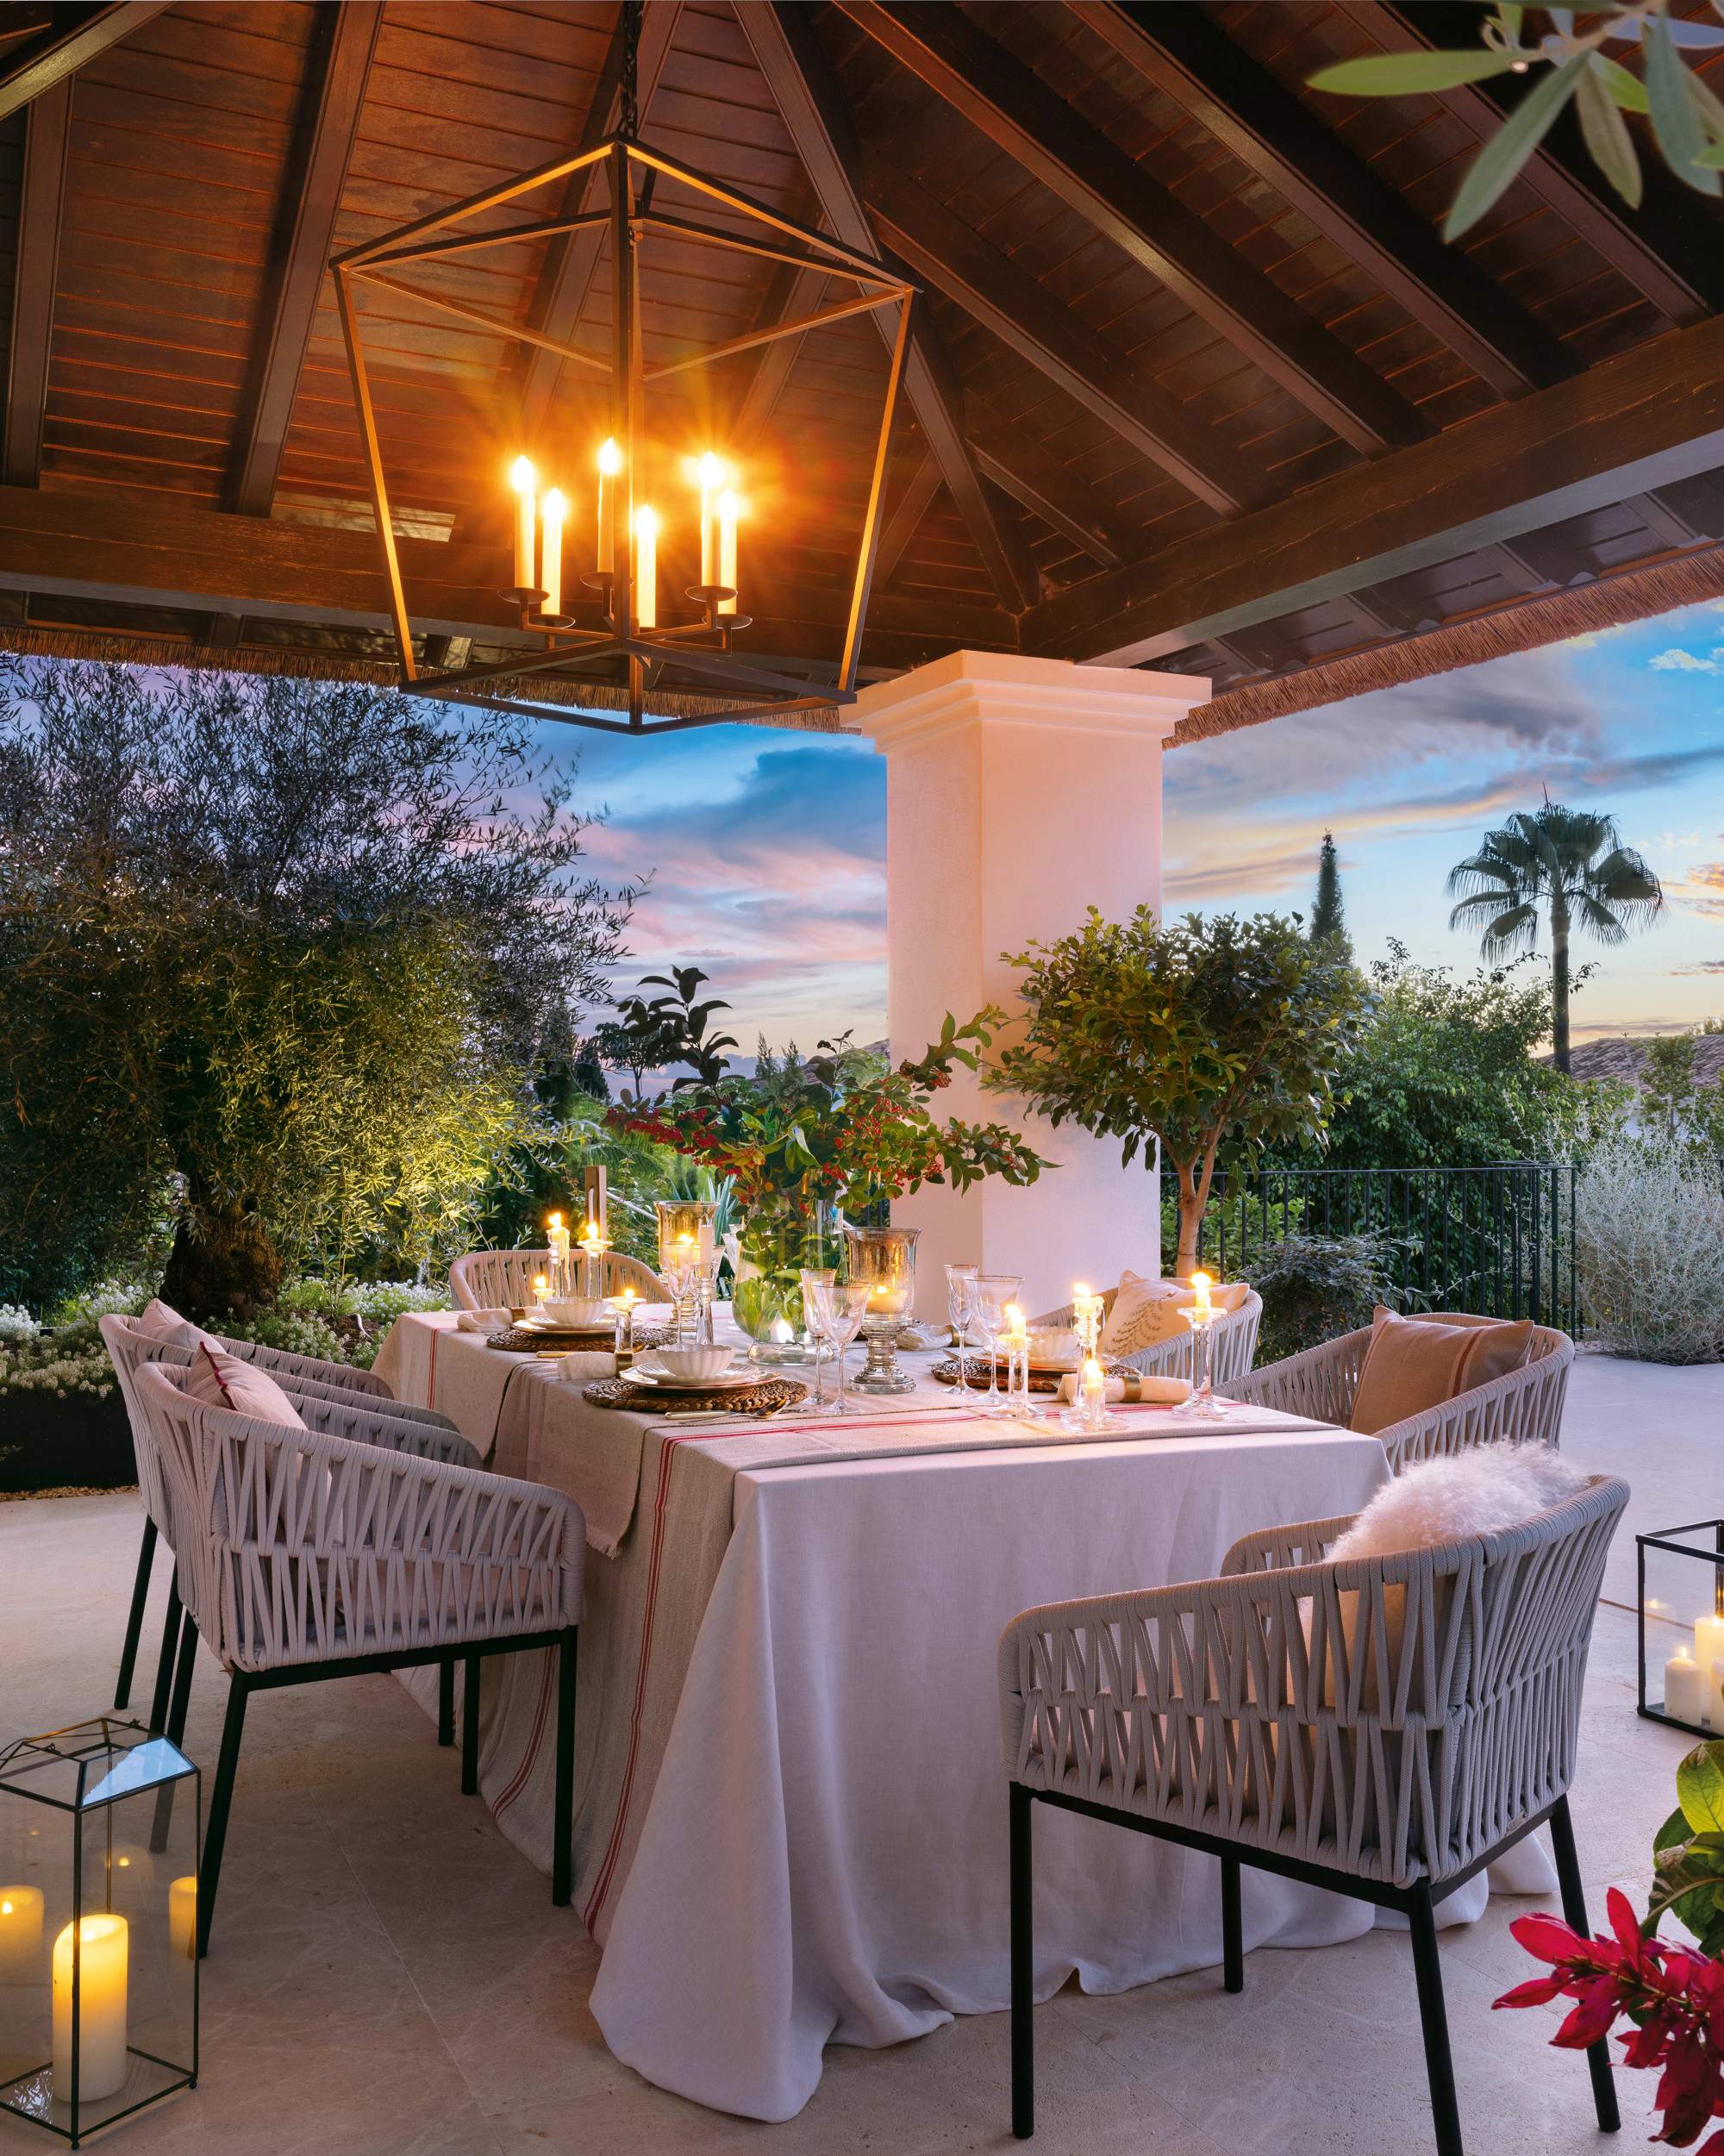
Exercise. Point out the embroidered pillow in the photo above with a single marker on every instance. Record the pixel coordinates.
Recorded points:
(1145, 1313)
(1416, 1363)
(221, 1380)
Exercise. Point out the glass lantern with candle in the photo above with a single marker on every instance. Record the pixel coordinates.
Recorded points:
(886, 1258)
(99, 1838)
(1680, 1610)
(688, 1252)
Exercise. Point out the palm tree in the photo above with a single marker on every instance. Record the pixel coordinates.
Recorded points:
(1569, 863)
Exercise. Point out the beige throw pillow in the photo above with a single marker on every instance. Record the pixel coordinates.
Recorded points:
(1414, 1363)
(221, 1380)
(1146, 1312)
(163, 1322)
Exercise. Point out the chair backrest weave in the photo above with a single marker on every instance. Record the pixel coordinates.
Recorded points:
(502, 1279)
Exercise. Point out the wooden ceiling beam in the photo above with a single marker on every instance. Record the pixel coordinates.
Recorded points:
(1034, 126)
(904, 520)
(1043, 485)
(1642, 420)
(35, 270)
(789, 57)
(1665, 251)
(792, 295)
(1180, 51)
(73, 37)
(944, 253)
(305, 233)
(559, 297)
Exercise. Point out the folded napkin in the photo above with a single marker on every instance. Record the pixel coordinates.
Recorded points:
(1131, 1384)
(484, 1321)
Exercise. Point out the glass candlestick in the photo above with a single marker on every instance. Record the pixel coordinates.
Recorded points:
(1089, 1412)
(883, 1260)
(1201, 1406)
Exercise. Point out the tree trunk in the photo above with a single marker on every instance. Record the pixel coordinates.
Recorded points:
(1559, 925)
(1191, 1220)
(223, 1262)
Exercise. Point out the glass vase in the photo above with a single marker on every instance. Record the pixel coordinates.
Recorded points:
(777, 1238)
(886, 1258)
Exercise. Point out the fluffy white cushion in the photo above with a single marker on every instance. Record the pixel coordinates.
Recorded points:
(1145, 1312)
(163, 1322)
(221, 1380)
(1481, 1492)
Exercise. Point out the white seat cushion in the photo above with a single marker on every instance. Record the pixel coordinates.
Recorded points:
(1146, 1312)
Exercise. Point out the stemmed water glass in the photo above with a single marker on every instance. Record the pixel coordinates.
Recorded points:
(986, 1300)
(813, 1278)
(958, 1280)
(837, 1310)
(681, 1275)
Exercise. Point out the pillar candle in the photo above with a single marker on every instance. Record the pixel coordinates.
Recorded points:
(102, 2060)
(610, 463)
(21, 1935)
(645, 568)
(1685, 1688)
(1709, 1641)
(551, 552)
(182, 1916)
(729, 510)
(523, 478)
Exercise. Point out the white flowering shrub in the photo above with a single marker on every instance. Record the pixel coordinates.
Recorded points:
(16, 1324)
(1649, 1235)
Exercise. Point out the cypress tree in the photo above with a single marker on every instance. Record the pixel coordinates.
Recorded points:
(1328, 919)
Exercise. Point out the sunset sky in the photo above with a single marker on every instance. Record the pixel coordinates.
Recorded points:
(766, 849)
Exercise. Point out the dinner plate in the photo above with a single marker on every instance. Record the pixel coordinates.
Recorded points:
(726, 1381)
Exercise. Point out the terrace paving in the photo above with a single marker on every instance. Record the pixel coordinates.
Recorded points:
(390, 1979)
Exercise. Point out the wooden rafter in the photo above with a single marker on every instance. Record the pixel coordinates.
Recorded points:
(1649, 416)
(1041, 483)
(559, 297)
(1016, 111)
(305, 233)
(792, 294)
(1242, 105)
(987, 285)
(47, 127)
(74, 37)
(1670, 257)
(905, 517)
(789, 57)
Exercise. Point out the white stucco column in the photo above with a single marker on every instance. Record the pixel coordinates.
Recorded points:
(1019, 791)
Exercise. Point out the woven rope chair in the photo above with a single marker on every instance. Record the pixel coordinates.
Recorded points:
(1524, 1408)
(305, 1556)
(127, 1344)
(1384, 1728)
(1233, 1343)
(502, 1279)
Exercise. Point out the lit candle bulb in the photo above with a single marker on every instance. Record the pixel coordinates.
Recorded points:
(551, 552)
(523, 478)
(646, 567)
(541, 1289)
(729, 509)
(1201, 1304)
(610, 463)
(711, 474)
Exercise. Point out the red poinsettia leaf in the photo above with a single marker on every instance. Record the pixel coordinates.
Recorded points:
(1592, 2020)
(1539, 1991)
(1547, 1937)
(1623, 1921)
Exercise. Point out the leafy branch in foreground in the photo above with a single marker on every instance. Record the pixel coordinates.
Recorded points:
(1687, 117)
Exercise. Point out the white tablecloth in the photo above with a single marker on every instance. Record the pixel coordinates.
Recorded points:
(824, 1857)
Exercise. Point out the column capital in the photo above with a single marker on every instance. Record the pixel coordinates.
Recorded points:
(1002, 688)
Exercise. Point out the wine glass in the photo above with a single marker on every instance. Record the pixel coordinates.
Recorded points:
(680, 1275)
(986, 1300)
(958, 1278)
(813, 1279)
(838, 1312)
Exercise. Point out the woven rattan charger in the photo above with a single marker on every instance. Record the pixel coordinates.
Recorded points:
(764, 1398)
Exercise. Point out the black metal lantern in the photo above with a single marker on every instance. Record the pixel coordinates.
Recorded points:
(99, 1838)
(1680, 1602)
(598, 613)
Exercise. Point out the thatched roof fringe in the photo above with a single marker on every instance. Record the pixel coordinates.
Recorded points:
(1605, 603)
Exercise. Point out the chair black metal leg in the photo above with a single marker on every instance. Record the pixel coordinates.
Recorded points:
(1232, 1935)
(470, 1727)
(446, 1701)
(134, 1623)
(1023, 1971)
(1433, 2018)
(220, 1801)
(1574, 1910)
(159, 1705)
(176, 1725)
(562, 1859)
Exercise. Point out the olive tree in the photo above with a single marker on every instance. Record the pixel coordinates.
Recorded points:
(277, 956)
(1206, 1036)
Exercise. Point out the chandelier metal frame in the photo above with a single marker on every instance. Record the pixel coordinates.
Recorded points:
(699, 656)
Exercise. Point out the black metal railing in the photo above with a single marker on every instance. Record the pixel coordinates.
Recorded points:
(1498, 1240)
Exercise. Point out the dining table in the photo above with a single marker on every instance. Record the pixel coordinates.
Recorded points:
(790, 1795)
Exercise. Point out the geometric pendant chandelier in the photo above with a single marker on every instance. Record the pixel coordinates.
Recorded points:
(583, 594)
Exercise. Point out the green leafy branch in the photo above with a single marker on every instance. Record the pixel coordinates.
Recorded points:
(1573, 65)
(1688, 1852)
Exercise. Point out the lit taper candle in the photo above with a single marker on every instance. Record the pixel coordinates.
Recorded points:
(523, 478)
(646, 567)
(610, 463)
(711, 473)
(551, 551)
(729, 509)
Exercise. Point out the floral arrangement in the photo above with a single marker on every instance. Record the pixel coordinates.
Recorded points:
(1672, 1996)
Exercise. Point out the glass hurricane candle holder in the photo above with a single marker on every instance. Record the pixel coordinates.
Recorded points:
(1680, 1604)
(1089, 1412)
(99, 1838)
(883, 1260)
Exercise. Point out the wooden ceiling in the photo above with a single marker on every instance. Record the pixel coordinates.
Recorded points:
(1195, 383)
